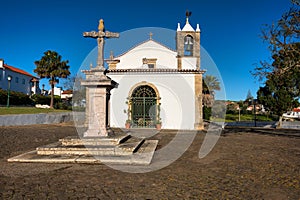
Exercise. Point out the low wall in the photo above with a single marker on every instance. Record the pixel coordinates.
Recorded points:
(252, 124)
(41, 118)
(290, 125)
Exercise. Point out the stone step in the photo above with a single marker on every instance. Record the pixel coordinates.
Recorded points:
(94, 141)
(143, 156)
(131, 145)
(126, 148)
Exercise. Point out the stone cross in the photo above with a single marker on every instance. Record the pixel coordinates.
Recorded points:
(100, 35)
(98, 87)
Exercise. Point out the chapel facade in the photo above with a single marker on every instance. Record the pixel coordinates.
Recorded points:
(157, 85)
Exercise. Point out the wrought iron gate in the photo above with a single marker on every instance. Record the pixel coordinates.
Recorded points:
(143, 107)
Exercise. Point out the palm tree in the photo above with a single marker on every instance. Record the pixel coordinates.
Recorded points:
(210, 84)
(52, 67)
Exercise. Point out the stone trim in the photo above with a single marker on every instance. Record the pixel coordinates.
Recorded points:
(150, 61)
(144, 83)
(161, 71)
(198, 125)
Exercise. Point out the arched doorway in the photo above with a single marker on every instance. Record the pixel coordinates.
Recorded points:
(143, 104)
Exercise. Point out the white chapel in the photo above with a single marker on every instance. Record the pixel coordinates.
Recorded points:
(157, 85)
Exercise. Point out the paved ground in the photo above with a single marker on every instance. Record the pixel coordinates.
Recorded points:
(243, 165)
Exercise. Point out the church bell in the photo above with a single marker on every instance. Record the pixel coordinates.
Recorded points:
(188, 43)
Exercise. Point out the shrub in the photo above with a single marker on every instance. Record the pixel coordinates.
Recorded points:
(63, 104)
(45, 100)
(206, 112)
(15, 98)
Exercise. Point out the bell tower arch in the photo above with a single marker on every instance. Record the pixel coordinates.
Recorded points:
(188, 44)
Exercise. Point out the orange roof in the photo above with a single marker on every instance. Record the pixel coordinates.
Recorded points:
(296, 109)
(68, 92)
(17, 70)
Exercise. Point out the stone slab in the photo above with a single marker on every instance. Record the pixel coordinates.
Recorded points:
(94, 141)
(110, 147)
(142, 157)
(33, 157)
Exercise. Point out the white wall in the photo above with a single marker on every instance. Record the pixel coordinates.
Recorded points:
(176, 92)
(20, 86)
(189, 63)
(166, 58)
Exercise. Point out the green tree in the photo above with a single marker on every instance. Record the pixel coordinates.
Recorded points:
(275, 95)
(249, 96)
(209, 85)
(282, 74)
(52, 67)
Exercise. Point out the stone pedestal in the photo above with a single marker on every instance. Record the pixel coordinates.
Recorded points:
(98, 91)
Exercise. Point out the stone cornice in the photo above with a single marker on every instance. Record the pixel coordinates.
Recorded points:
(158, 71)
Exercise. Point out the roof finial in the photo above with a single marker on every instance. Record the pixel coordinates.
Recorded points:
(111, 56)
(198, 28)
(150, 35)
(187, 14)
(178, 27)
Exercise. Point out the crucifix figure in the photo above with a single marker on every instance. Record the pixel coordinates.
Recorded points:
(101, 35)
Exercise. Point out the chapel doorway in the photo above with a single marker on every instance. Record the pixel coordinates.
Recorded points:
(144, 107)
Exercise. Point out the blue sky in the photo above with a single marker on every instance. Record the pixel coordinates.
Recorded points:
(229, 30)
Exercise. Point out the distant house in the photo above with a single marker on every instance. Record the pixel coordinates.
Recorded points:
(64, 94)
(67, 94)
(20, 80)
(57, 91)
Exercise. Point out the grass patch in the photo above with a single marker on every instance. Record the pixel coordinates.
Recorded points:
(245, 117)
(249, 117)
(26, 110)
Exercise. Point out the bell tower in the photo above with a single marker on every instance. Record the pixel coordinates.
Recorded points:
(188, 45)
(188, 58)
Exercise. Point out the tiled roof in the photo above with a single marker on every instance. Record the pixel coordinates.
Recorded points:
(17, 70)
(68, 92)
(296, 109)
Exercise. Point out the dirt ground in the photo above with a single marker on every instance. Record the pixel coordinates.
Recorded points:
(242, 165)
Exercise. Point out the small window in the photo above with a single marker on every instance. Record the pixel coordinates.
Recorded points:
(151, 66)
(23, 81)
(17, 79)
(151, 62)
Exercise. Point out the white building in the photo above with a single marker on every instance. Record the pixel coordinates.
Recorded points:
(57, 91)
(64, 94)
(67, 94)
(20, 80)
(158, 84)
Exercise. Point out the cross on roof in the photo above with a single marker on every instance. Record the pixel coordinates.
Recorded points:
(150, 35)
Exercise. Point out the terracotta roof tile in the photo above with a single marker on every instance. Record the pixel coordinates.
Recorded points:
(68, 92)
(17, 70)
